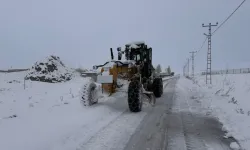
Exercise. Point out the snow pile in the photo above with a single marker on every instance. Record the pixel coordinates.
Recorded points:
(229, 101)
(51, 70)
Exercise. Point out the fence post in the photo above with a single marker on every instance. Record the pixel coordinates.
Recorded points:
(24, 84)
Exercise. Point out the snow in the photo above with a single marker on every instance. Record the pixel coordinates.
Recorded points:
(234, 146)
(106, 72)
(124, 61)
(168, 77)
(38, 115)
(41, 110)
(128, 61)
(111, 63)
(227, 99)
(51, 68)
(133, 46)
(136, 43)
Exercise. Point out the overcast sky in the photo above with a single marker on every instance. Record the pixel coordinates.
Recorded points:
(81, 32)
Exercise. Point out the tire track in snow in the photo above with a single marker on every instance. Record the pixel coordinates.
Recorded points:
(175, 136)
(100, 119)
(134, 119)
(191, 133)
(116, 134)
(152, 133)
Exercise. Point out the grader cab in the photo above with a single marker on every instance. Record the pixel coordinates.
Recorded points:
(134, 64)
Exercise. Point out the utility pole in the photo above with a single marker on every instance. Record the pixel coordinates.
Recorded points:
(193, 52)
(184, 70)
(209, 55)
(188, 67)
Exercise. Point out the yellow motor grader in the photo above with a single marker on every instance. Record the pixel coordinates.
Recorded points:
(134, 64)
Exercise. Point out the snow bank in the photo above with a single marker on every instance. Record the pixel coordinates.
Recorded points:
(51, 69)
(229, 101)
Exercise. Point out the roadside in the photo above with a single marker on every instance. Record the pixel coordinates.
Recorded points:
(228, 100)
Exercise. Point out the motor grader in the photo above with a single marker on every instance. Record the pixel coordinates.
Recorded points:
(134, 64)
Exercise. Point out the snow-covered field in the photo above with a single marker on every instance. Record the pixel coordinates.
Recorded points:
(39, 116)
(228, 100)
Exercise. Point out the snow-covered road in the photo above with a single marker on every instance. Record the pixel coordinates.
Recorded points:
(178, 122)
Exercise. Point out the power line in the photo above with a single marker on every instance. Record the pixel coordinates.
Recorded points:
(209, 43)
(201, 46)
(220, 25)
(229, 17)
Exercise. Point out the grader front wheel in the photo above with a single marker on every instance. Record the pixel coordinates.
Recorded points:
(89, 94)
(135, 96)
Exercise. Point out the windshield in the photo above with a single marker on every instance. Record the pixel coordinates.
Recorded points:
(138, 57)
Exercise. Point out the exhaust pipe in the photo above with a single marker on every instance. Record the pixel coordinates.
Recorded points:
(112, 56)
(119, 53)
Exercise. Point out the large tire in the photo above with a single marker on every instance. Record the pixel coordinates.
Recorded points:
(135, 96)
(89, 94)
(158, 87)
